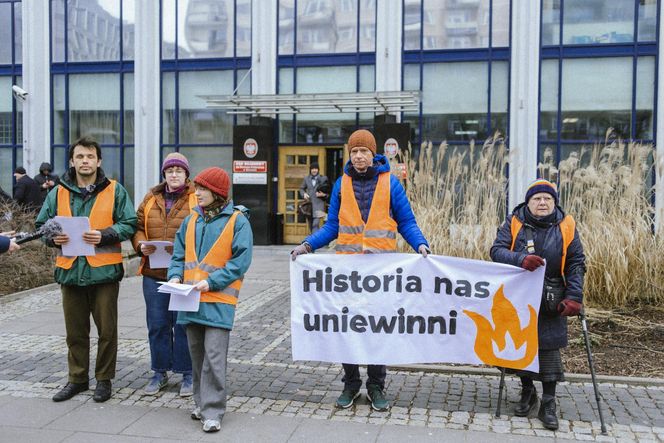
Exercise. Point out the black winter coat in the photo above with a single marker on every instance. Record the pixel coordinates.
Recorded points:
(552, 331)
(27, 193)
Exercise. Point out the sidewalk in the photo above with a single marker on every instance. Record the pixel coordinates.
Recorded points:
(272, 398)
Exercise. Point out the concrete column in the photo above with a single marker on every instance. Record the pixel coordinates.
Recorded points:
(264, 47)
(659, 140)
(147, 82)
(388, 45)
(524, 86)
(36, 81)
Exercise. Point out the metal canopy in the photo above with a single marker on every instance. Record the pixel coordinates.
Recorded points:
(383, 101)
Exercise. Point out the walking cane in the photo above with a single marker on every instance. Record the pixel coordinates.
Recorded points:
(582, 316)
(500, 391)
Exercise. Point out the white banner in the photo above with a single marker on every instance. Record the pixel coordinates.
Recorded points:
(403, 308)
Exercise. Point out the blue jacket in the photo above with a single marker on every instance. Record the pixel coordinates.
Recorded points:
(364, 186)
(4, 244)
(549, 246)
(219, 315)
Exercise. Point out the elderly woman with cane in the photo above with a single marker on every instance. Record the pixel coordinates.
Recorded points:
(539, 233)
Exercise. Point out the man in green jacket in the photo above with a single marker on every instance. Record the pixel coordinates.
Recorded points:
(90, 285)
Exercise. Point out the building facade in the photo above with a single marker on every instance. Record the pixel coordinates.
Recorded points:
(551, 75)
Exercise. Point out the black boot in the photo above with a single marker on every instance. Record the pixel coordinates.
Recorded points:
(102, 391)
(69, 391)
(528, 400)
(547, 412)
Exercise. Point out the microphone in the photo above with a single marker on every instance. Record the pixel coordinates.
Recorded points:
(50, 229)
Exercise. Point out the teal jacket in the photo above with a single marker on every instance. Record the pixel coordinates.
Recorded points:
(218, 315)
(124, 226)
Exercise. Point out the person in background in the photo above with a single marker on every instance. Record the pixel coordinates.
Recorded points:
(212, 251)
(90, 284)
(46, 179)
(7, 243)
(315, 188)
(538, 230)
(26, 191)
(159, 217)
(367, 207)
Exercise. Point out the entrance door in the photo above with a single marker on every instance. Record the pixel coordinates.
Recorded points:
(294, 164)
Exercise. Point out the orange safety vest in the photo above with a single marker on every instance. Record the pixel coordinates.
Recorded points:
(379, 234)
(101, 217)
(215, 259)
(567, 227)
(193, 201)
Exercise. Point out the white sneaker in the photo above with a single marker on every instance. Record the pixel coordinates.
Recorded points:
(211, 425)
(196, 414)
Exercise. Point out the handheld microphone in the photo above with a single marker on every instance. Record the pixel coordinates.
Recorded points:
(50, 229)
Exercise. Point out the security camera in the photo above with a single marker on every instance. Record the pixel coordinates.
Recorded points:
(19, 93)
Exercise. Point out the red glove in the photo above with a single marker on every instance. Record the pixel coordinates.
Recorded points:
(532, 262)
(569, 308)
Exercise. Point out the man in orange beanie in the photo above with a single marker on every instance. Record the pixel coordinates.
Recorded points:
(365, 175)
(212, 251)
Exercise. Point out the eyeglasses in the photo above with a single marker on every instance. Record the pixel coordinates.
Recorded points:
(543, 199)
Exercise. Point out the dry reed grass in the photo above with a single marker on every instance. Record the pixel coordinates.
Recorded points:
(459, 197)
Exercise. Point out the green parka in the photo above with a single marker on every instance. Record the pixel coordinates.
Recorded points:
(124, 226)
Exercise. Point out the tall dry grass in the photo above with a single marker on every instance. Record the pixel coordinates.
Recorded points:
(459, 196)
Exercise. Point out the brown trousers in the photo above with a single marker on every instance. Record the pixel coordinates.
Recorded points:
(78, 302)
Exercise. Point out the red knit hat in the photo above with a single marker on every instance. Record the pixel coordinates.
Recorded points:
(215, 179)
(364, 138)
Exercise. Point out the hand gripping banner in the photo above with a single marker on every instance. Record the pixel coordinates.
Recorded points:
(403, 308)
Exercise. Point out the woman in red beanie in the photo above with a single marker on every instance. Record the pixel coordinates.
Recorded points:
(212, 251)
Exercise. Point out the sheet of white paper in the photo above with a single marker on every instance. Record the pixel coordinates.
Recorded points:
(74, 227)
(159, 259)
(187, 303)
(175, 288)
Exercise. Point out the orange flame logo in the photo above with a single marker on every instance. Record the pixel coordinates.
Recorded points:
(506, 319)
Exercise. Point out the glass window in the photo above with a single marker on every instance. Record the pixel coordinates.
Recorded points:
(586, 22)
(203, 157)
(243, 28)
(19, 115)
(58, 30)
(550, 22)
(337, 79)
(205, 28)
(5, 112)
(128, 29)
(412, 24)
(454, 103)
(499, 88)
(111, 162)
(59, 112)
(286, 26)
(589, 106)
(93, 33)
(453, 24)
(286, 81)
(198, 123)
(647, 20)
(128, 108)
(128, 179)
(18, 40)
(5, 33)
(168, 107)
(167, 29)
(645, 97)
(6, 164)
(98, 117)
(549, 100)
(367, 26)
(367, 78)
(501, 22)
(331, 26)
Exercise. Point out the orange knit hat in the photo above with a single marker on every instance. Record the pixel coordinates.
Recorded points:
(364, 138)
(215, 179)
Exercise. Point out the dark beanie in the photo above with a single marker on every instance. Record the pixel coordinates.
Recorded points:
(541, 185)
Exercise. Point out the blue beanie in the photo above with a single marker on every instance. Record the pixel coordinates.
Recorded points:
(541, 185)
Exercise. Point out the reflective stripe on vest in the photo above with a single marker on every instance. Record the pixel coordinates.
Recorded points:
(379, 234)
(216, 258)
(567, 227)
(193, 202)
(101, 217)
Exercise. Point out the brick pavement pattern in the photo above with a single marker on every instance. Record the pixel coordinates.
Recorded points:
(263, 379)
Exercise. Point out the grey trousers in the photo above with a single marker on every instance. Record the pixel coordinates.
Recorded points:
(208, 348)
